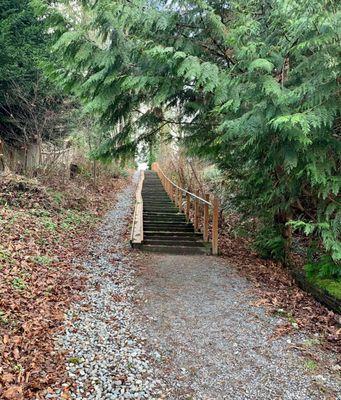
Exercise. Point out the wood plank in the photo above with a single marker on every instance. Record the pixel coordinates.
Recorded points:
(206, 217)
(188, 206)
(215, 226)
(196, 212)
(137, 228)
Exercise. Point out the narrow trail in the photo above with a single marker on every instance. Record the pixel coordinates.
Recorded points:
(216, 344)
(174, 327)
(107, 358)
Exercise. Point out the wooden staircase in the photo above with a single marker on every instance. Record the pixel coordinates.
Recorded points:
(165, 229)
(163, 213)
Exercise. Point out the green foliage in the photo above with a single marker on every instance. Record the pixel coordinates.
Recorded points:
(45, 261)
(117, 172)
(325, 268)
(73, 219)
(74, 360)
(48, 223)
(57, 197)
(250, 86)
(326, 274)
(311, 365)
(5, 255)
(3, 318)
(282, 313)
(18, 284)
(22, 43)
(270, 244)
(30, 107)
(331, 286)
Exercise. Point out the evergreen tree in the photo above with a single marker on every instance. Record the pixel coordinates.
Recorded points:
(254, 86)
(25, 96)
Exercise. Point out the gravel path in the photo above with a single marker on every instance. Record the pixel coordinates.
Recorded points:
(216, 344)
(176, 327)
(106, 352)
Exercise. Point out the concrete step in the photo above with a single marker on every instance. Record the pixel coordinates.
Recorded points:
(162, 221)
(153, 186)
(160, 214)
(155, 214)
(156, 198)
(158, 228)
(169, 234)
(150, 206)
(173, 249)
(150, 192)
(177, 224)
(173, 242)
(168, 210)
(153, 196)
(157, 203)
(160, 209)
(153, 190)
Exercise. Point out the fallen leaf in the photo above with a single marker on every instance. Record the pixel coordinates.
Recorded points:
(13, 393)
(8, 378)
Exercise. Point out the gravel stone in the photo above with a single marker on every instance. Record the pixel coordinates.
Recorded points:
(199, 316)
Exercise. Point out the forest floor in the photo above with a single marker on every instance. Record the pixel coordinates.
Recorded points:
(84, 317)
(44, 224)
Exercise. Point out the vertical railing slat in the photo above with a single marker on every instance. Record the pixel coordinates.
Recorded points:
(180, 200)
(196, 212)
(215, 226)
(206, 217)
(188, 206)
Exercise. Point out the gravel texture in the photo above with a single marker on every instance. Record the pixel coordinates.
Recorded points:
(215, 344)
(177, 327)
(106, 353)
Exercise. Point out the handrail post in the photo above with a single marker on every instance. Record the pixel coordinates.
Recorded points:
(180, 200)
(215, 226)
(196, 212)
(188, 206)
(171, 192)
(206, 217)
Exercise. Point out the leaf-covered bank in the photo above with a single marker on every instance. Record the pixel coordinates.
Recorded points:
(42, 228)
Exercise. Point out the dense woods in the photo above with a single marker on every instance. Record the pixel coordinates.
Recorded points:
(31, 110)
(252, 87)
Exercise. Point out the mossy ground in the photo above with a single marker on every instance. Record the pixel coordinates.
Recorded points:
(331, 286)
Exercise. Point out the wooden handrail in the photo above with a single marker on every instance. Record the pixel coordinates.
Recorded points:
(156, 168)
(176, 192)
(137, 228)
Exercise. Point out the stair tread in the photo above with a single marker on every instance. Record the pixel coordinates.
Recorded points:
(165, 227)
(173, 249)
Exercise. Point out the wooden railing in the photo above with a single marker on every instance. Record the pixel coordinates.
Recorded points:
(136, 237)
(200, 215)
